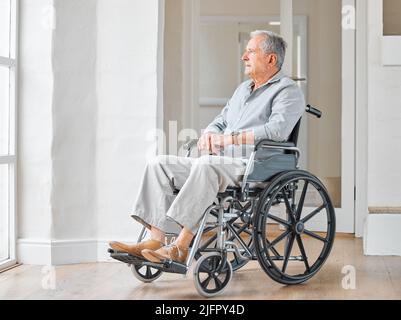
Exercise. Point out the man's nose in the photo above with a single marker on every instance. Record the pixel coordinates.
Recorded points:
(245, 57)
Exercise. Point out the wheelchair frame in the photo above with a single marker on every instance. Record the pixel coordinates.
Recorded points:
(256, 200)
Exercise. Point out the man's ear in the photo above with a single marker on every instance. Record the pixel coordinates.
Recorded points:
(272, 59)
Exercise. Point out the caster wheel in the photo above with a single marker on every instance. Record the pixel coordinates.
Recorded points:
(212, 274)
(145, 274)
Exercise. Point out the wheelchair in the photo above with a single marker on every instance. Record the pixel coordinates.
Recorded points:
(280, 216)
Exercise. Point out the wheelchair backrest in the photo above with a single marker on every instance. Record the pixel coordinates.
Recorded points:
(295, 132)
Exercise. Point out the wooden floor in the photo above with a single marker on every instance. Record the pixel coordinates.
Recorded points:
(376, 278)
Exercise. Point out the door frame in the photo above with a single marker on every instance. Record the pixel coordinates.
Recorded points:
(348, 112)
(12, 159)
(361, 121)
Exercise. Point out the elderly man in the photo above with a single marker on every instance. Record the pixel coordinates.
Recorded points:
(267, 106)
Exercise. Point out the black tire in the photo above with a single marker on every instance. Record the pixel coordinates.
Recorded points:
(145, 274)
(277, 255)
(212, 274)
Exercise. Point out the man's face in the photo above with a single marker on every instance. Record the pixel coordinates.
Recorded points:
(256, 61)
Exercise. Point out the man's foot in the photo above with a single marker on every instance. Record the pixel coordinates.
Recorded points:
(166, 253)
(136, 249)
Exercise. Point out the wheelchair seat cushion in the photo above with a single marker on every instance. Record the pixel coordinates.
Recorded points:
(267, 168)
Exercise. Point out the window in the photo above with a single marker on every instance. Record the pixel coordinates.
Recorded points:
(8, 72)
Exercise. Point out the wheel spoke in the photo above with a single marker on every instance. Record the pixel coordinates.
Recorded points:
(204, 268)
(277, 219)
(206, 282)
(248, 232)
(288, 205)
(303, 253)
(288, 250)
(235, 232)
(278, 239)
(241, 229)
(219, 284)
(275, 252)
(301, 201)
(313, 213)
(215, 262)
(244, 208)
(314, 235)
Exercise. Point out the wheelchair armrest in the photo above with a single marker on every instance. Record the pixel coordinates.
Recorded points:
(269, 143)
(189, 145)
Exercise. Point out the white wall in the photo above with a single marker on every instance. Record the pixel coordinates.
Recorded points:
(35, 121)
(89, 95)
(384, 96)
(57, 116)
(384, 140)
(127, 109)
(74, 120)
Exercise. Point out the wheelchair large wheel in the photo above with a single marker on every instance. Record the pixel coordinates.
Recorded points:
(292, 245)
(212, 274)
(145, 274)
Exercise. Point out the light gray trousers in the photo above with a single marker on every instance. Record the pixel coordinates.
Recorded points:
(199, 181)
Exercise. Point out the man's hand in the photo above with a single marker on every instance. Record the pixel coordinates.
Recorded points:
(212, 143)
(217, 143)
(204, 142)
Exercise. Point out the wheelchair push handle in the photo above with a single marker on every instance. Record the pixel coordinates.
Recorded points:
(317, 113)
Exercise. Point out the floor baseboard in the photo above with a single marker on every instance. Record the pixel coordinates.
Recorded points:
(63, 252)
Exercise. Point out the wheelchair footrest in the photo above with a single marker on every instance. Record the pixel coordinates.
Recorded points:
(167, 266)
(125, 257)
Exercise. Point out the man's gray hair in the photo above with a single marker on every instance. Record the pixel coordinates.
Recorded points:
(273, 43)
